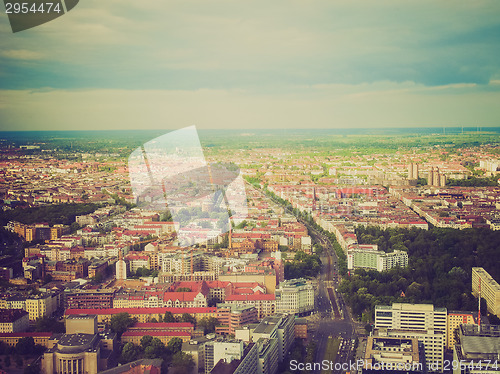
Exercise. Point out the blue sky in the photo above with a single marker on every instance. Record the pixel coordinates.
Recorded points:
(254, 64)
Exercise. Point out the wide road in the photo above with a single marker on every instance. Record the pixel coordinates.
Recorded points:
(329, 323)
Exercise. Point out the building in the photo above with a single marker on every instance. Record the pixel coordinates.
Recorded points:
(301, 328)
(295, 296)
(413, 171)
(13, 320)
(393, 355)
(265, 303)
(142, 366)
(477, 350)
(268, 355)
(11, 338)
(42, 305)
(143, 315)
(220, 349)
(248, 364)
(490, 289)
(454, 321)
(90, 299)
(422, 321)
(280, 327)
(135, 336)
(375, 259)
(232, 317)
(75, 353)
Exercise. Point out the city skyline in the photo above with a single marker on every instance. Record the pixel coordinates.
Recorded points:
(124, 65)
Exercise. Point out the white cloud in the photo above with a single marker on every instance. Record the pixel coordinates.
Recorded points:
(21, 54)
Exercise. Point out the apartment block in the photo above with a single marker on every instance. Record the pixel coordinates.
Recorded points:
(375, 259)
(13, 320)
(232, 317)
(422, 321)
(490, 289)
(454, 321)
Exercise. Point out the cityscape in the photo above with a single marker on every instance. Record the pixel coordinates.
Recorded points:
(231, 187)
(346, 258)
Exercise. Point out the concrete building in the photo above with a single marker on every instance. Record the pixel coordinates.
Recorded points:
(232, 317)
(248, 364)
(478, 350)
(422, 321)
(454, 320)
(295, 296)
(490, 289)
(280, 327)
(42, 305)
(375, 259)
(13, 320)
(413, 171)
(220, 349)
(75, 353)
(393, 355)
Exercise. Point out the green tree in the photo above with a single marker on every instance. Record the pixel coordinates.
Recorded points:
(174, 345)
(186, 317)
(120, 322)
(155, 348)
(25, 345)
(208, 324)
(181, 363)
(49, 324)
(145, 341)
(169, 317)
(130, 352)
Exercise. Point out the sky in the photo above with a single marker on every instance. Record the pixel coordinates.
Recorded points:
(163, 64)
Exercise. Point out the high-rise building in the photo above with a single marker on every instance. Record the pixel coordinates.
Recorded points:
(490, 289)
(422, 321)
(413, 171)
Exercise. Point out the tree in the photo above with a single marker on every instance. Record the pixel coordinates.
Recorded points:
(145, 341)
(155, 348)
(130, 352)
(208, 324)
(25, 345)
(49, 324)
(120, 322)
(181, 363)
(174, 345)
(183, 289)
(186, 317)
(169, 317)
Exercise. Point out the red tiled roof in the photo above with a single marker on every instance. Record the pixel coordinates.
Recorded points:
(141, 310)
(156, 333)
(160, 325)
(254, 297)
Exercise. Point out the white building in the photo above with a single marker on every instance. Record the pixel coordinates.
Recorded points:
(295, 296)
(422, 321)
(374, 259)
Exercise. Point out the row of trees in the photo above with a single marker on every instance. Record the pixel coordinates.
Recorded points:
(120, 322)
(474, 181)
(52, 214)
(303, 265)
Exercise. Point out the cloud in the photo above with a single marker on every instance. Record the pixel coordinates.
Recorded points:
(21, 54)
(378, 104)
